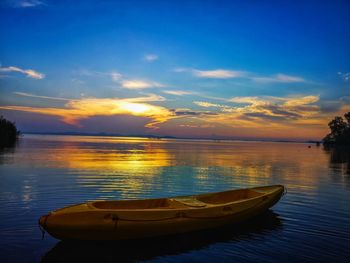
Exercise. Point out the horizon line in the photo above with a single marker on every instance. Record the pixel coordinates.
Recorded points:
(153, 136)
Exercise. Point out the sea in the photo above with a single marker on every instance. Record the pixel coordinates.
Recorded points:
(311, 223)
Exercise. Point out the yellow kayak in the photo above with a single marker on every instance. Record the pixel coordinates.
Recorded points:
(131, 219)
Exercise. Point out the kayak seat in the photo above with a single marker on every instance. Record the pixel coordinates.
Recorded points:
(189, 201)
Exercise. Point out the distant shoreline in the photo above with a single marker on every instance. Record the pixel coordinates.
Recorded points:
(151, 136)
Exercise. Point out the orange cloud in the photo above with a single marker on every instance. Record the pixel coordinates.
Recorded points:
(266, 116)
(76, 110)
(277, 115)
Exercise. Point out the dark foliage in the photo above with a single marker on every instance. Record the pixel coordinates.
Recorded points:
(8, 133)
(340, 131)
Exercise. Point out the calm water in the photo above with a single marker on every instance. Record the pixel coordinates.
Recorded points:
(310, 223)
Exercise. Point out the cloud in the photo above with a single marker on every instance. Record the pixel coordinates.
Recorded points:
(269, 117)
(40, 97)
(344, 76)
(281, 78)
(228, 74)
(28, 72)
(263, 116)
(114, 75)
(134, 84)
(140, 84)
(30, 3)
(272, 108)
(76, 80)
(178, 92)
(244, 100)
(189, 112)
(345, 99)
(218, 73)
(149, 98)
(215, 74)
(150, 57)
(259, 115)
(260, 109)
(25, 3)
(292, 102)
(78, 109)
(286, 101)
(206, 104)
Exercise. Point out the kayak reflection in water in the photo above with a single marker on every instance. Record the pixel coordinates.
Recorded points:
(145, 249)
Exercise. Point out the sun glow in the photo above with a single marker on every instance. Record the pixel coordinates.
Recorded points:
(135, 108)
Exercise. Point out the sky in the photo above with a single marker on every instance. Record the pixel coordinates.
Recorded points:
(200, 69)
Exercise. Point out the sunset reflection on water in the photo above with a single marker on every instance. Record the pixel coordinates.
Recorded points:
(128, 164)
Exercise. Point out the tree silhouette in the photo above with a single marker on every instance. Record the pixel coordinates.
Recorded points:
(347, 117)
(8, 133)
(340, 131)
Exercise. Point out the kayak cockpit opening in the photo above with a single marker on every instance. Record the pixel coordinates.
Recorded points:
(229, 196)
(180, 202)
(161, 203)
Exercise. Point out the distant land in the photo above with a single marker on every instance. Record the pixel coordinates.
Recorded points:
(153, 136)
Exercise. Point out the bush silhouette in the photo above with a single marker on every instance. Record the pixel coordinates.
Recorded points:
(340, 131)
(8, 133)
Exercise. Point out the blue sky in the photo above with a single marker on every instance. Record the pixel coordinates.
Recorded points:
(184, 68)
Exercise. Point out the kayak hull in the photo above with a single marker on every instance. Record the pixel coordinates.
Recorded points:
(121, 220)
